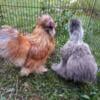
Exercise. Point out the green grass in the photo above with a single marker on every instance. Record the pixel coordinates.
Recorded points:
(48, 86)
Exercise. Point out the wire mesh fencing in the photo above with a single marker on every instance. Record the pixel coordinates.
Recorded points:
(22, 14)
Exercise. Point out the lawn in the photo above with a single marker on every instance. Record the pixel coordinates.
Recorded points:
(49, 86)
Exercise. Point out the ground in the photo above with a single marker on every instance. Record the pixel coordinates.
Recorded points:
(47, 86)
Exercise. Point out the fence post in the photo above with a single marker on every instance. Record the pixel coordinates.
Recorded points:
(1, 16)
